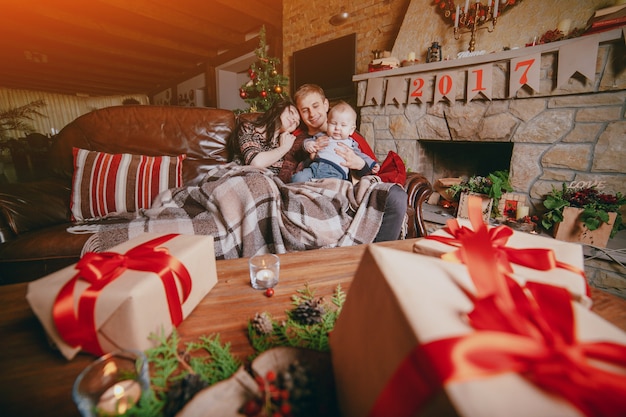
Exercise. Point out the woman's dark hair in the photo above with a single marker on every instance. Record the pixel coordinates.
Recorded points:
(271, 118)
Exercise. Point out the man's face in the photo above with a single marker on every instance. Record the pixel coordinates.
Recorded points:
(313, 110)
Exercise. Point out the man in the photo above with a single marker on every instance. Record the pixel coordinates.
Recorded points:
(313, 107)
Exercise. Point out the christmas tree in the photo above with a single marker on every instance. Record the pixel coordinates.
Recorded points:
(266, 84)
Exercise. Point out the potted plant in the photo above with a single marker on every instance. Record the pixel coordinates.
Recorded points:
(583, 215)
(490, 188)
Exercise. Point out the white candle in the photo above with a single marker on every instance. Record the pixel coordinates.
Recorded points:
(119, 398)
(522, 211)
(456, 16)
(466, 6)
(564, 26)
(495, 8)
(411, 56)
(489, 3)
(265, 278)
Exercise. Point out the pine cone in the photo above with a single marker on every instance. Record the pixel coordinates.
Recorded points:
(181, 392)
(309, 312)
(262, 323)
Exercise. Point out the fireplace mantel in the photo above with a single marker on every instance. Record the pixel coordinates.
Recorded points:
(608, 36)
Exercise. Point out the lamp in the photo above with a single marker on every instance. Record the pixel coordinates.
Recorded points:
(339, 18)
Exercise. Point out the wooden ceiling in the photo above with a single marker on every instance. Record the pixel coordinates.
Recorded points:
(111, 47)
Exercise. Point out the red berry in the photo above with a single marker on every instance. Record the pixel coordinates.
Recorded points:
(269, 292)
(285, 408)
(271, 375)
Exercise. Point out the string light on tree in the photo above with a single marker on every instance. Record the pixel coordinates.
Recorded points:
(266, 85)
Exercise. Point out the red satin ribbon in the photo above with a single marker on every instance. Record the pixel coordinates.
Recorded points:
(529, 331)
(541, 259)
(78, 328)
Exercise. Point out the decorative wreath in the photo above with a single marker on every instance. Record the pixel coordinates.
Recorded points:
(447, 8)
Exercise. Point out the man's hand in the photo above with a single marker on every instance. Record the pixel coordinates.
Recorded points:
(376, 168)
(352, 160)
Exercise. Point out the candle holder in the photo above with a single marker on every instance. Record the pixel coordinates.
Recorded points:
(473, 17)
(264, 271)
(112, 384)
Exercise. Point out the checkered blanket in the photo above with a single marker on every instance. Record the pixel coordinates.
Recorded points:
(249, 210)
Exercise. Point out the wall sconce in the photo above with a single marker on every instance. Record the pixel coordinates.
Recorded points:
(339, 18)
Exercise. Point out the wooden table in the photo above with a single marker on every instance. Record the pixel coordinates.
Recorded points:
(35, 380)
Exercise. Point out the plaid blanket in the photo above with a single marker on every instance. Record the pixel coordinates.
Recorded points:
(249, 210)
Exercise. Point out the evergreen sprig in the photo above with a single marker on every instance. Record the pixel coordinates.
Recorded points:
(295, 334)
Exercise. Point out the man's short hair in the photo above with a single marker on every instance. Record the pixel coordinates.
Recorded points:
(306, 89)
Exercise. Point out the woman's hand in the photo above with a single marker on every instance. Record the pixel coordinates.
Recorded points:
(286, 140)
(353, 161)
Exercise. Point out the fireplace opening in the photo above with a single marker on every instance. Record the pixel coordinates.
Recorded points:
(458, 159)
(463, 159)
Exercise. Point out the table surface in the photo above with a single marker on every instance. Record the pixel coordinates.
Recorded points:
(35, 380)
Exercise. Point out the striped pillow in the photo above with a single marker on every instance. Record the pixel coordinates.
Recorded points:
(104, 183)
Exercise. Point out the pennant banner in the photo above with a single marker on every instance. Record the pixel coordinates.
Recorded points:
(445, 87)
(479, 80)
(417, 90)
(374, 92)
(524, 71)
(572, 61)
(396, 91)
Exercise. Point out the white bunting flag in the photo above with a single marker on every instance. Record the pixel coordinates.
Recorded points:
(524, 71)
(571, 60)
(445, 87)
(479, 80)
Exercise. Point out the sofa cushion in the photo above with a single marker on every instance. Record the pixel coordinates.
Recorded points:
(106, 183)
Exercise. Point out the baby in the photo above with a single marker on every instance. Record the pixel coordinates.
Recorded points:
(326, 162)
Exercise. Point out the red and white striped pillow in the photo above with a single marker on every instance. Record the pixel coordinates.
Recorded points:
(106, 183)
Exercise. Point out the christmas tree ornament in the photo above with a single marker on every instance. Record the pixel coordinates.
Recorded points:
(263, 93)
(278, 89)
(274, 72)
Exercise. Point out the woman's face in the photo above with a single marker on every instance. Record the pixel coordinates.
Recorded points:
(289, 119)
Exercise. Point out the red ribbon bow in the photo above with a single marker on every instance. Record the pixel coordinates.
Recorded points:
(529, 331)
(541, 259)
(78, 328)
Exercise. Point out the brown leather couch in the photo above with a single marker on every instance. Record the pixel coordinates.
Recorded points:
(34, 216)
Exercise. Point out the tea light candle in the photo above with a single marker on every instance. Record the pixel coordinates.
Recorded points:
(411, 56)
(522, 211)
(265, 277)
(119, 398)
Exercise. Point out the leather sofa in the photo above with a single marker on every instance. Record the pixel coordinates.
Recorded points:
(34, 216)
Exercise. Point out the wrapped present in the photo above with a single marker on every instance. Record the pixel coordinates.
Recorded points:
(418, 336)
(530, 257)
(115, 300)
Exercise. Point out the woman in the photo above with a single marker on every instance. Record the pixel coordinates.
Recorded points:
(264, 142)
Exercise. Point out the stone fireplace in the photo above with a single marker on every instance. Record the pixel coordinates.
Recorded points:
(574, 133)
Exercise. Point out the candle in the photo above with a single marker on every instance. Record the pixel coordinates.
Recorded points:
(119, 398)
(265, 278)
(411, 56)
(495, 8)
(456, 16)
(466, 6)
(522, 211)
(564, 26)
(489, 3)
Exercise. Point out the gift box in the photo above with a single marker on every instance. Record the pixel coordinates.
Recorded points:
(405, 345)
(116, 299)
(548, 261)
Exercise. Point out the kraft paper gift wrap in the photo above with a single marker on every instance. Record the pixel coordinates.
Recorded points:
(120, 311)
(565, 253)
(400, 301)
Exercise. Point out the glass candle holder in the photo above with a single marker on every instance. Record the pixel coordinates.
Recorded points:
(112, 384)
(264, 271)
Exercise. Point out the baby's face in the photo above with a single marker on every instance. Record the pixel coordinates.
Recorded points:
(340, 125)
